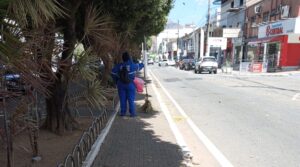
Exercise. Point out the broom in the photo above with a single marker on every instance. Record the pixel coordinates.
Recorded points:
(147, 107)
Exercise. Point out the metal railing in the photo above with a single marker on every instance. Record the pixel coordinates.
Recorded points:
(81, 150)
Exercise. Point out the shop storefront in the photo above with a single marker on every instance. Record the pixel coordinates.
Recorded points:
(237, 52)
(277, 47)
(217, 46)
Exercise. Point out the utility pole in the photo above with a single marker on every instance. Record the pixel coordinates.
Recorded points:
(207, 28)
(144, 48)
(177, 54)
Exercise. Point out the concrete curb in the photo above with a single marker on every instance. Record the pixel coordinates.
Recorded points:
(89, 160)
(259, 75)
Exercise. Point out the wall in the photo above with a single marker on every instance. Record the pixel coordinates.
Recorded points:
(232, 19)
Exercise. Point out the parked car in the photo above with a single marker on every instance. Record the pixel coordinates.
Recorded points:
(187, 64)
(163, 62)
(11, 81)
(171, 62)
(206, 64)
(150, 61)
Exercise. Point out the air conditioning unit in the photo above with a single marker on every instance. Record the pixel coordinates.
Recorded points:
(285, 10)
(257, 9)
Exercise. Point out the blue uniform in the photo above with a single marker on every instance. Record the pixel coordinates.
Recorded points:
(126, 91)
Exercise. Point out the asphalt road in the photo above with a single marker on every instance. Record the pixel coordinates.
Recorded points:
(252, 120)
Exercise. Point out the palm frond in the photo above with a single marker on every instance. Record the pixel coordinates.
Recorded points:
(98, 25)
(39, 12)
(85, 67)
(28, 58)
(95, 95)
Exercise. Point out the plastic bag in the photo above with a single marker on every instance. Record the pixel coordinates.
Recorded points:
(139, 84)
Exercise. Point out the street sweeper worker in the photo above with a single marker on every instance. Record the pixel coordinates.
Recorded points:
(123, 75)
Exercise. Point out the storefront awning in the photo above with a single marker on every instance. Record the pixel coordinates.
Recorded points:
(265, 40)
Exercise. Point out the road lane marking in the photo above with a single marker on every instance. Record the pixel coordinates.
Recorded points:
(295, 97)
(178, 118)
(223, 161)
(178, 136)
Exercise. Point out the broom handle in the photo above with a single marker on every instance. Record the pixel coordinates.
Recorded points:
(145, 65)
(146, 83)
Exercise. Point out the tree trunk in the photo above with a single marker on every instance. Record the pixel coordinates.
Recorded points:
(59, 119)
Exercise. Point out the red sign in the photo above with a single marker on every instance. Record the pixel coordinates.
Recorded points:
(257, 67)
(274, 31)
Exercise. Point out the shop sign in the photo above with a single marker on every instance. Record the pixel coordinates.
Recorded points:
(257, 67)
(279, 28)
(217, 42)
(231, 32)
(294, 38)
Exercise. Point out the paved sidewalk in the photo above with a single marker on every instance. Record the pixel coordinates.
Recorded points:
(144, 141)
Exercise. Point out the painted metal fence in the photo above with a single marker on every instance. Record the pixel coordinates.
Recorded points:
(81, 150)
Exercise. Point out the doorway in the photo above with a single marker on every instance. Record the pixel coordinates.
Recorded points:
(273, 53)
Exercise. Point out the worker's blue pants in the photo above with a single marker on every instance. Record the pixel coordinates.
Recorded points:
(127, 93)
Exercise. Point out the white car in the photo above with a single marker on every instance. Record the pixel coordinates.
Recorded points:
(206, 64)
(163, 62)
(171, 62)
(150, 61)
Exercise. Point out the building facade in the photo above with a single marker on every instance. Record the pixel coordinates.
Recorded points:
(232, 23)
(272, 35)
(172, 32)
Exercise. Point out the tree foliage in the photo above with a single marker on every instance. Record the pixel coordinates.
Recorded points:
(139, 18)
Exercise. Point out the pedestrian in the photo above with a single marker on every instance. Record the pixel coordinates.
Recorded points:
(123, 75)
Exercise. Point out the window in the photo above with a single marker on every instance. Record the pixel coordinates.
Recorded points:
(241, 2)
(266, 16)
(232, 4)
(253, 20)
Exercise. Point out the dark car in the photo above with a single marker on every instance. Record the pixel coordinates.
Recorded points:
(11, 81)
(187, 64)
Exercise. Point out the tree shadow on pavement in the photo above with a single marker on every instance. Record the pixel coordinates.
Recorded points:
(136, 142)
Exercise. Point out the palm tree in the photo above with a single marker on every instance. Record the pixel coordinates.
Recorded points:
(29, 45)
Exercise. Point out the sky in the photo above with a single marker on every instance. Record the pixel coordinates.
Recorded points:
(189, 11)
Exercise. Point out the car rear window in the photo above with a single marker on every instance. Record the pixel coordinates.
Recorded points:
(209, 59)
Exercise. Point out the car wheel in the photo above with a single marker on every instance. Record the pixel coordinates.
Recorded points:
(210, 72)
(215, 72)
(195, 71)
(200, 71)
